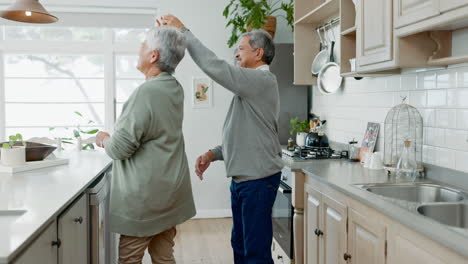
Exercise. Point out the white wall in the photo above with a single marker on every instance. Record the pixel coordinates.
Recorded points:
(441, 95)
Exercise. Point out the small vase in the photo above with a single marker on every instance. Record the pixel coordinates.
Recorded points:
(301, 139)
(13, 157)
(79, 144)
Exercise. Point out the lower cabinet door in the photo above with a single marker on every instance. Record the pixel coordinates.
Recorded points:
(333, 222)
(366, 240)
(312, 231)
(43, 249)
(73, 233)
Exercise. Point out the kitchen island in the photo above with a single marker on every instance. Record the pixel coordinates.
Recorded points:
(333, 214)
(31, 203)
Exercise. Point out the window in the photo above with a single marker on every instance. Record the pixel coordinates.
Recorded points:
(55, 78)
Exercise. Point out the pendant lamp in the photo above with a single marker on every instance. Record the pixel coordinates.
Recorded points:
(28, 11)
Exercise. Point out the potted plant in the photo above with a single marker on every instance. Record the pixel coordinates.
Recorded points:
(245, 15)
(301, 128)
(77, 134)
(12, 155)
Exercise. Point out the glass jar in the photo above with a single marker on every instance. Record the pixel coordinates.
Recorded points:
(407, 166)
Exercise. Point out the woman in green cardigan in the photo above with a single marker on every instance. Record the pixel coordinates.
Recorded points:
(151, 191)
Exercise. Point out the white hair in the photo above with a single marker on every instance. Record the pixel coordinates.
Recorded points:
(170, 43)
(259, 38)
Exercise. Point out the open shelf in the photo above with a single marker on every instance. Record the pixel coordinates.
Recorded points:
(349, 31)
(323, 12)
(448, 60)
(350, 74)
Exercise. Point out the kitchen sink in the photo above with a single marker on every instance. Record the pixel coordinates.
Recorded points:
(416, 192)
(448, 214)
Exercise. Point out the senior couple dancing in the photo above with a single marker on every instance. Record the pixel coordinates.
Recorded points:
(151, 190)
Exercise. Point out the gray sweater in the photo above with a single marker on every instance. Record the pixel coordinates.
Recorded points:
(250, 147)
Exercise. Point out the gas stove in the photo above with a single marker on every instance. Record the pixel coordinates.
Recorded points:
(310, 153)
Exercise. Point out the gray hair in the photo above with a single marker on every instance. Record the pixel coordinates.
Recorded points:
(170, 43)
(260, 39)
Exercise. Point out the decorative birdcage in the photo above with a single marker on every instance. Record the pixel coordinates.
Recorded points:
(403, 123)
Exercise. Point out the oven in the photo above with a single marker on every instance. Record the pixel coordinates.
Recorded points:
(282, 214)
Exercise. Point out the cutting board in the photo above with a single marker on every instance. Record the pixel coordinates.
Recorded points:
(33, 165)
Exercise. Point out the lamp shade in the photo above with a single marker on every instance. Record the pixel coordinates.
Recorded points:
(29, 11)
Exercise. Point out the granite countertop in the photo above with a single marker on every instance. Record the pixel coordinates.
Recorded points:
(342, 175)
(43, 194)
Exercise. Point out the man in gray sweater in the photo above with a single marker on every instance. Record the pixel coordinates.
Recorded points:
(250, 147)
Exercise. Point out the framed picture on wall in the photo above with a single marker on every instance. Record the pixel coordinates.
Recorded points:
(202, 92)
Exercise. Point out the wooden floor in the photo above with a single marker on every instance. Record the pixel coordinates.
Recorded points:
(203, 241)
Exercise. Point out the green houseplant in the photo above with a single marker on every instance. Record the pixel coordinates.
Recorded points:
(77, 132)
(301, 128)
(243, 15)
(12, 155)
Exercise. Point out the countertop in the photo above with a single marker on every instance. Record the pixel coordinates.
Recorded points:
(43, 193)
(342, 175)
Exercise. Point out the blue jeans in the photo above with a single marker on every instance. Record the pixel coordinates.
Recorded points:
(252, 230)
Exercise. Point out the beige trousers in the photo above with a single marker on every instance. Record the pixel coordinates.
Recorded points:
(160, 248)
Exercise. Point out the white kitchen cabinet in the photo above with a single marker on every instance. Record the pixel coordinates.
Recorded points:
(43, 249)
(73, 233)
(374, 32)
(447, 5)
(408, 247)
(325, 228)
(312, 214)
(366, 240)
(333, 223)
(411, 11)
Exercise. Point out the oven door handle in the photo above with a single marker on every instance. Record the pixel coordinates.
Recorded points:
(284, 189)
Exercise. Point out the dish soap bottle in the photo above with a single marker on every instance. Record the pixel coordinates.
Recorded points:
(407, 166)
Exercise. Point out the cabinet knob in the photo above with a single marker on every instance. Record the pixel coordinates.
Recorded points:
(280, 257)
(56, 243)
(347, 256)
(318, 232)
(78, 220)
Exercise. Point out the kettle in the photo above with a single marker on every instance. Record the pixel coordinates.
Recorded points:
(316, 138)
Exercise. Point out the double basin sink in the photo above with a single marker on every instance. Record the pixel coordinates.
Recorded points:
(440, 203)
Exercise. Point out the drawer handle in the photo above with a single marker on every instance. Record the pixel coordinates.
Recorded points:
(347, 256)
(78, 220)
(57, 243)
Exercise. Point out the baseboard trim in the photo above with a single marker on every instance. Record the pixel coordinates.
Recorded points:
(204, 214)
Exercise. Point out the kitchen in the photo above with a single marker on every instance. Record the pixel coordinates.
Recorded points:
(327, 210)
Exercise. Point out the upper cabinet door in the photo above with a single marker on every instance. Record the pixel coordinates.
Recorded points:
(312, 213)
(412, 11)
(73, 233)
(366, 240)
(447, 5)
(374, 34)
(333, 244)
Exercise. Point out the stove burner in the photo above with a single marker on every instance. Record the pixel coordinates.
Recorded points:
(310, 153)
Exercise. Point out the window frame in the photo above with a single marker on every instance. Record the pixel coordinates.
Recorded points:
(109, 48)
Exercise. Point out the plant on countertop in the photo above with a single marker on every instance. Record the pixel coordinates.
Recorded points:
(299, 126)
(77, 131)
(244, 13)
(11, 143)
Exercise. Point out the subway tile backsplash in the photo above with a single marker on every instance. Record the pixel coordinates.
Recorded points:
(440, 95)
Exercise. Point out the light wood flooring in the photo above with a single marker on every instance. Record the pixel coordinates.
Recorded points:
(202, 241)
